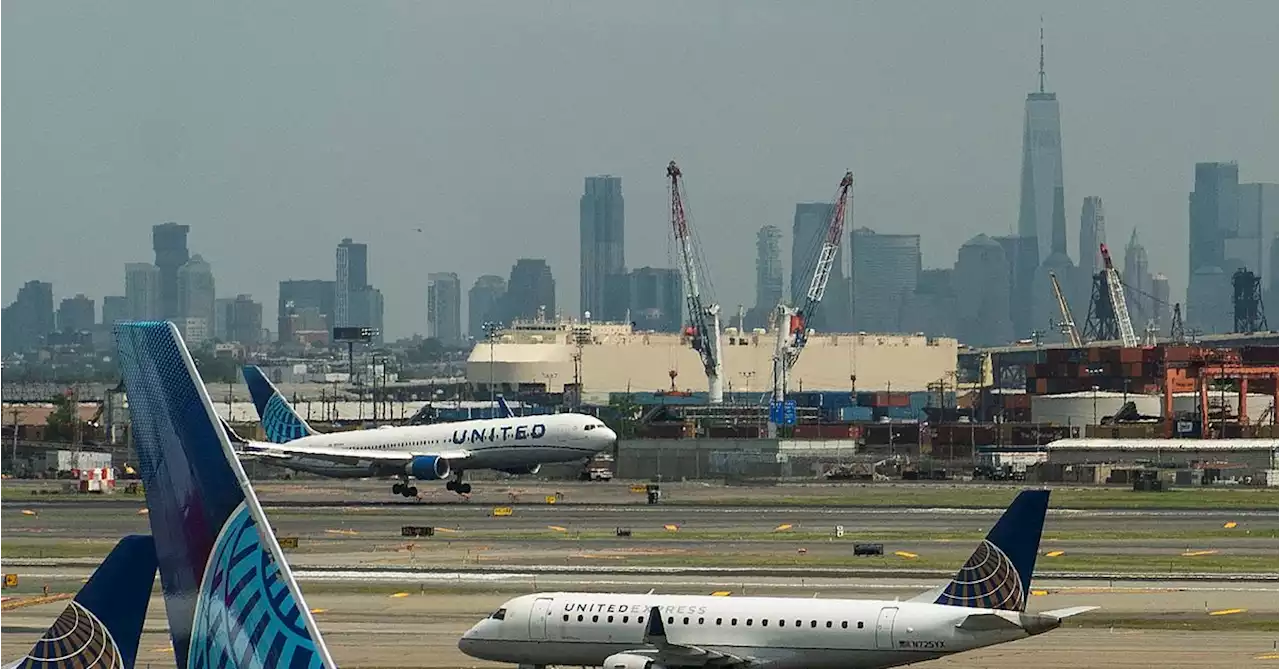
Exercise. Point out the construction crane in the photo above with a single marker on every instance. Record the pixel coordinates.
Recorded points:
(1068, 325)
(704, 320)
(1128, 338)
(793, 323)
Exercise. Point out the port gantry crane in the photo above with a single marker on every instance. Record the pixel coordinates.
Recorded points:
(1068, 324)
(704, 320)
(1128, 338)
(793, 322)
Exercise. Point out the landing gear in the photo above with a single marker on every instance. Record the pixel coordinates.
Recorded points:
(403, 488)
(457, 485)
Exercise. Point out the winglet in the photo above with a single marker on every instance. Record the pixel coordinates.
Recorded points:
(998, 574)
(280, 422)
(102, 625)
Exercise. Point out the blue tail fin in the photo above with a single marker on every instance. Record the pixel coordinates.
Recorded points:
(505, 410)
(230, 597)
(998, 574)
(279, 420)
(102, 625)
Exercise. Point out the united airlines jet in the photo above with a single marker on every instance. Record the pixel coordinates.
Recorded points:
(516, 445)
(984, 605)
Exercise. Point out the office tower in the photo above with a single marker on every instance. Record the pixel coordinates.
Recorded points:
(299, 295)
(196, 298)
(1041, 168)
(769, 279)
(29, 319)
(1257, 222)
(931, 307)
(115, 308)
(1136, 277)
(444, 307)
(1214, 212)
(808, 232)
(485, 304)
(352, 263)
(656, 299)
(1160, 305)
(982, 293)
(222, 317)
(885, 270)
(603, 249)
(76, 314)
(142, 291)
(1021, 259)
(1093, 232)
(531, 290)
(616, 303)
(245, 321)
(366, 310)
(169, 241)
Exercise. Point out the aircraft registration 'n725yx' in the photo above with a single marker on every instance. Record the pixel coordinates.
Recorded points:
(984, 605)
(516, 445)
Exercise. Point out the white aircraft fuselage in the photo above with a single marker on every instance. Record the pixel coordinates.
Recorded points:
(785, 633)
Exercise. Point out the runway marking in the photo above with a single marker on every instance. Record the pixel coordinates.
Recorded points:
(557, 528)
(29, 512)
(671, 528)
(720, 593)
(318, 611)
(783, 527)
(144, 511)
(1267, 656)
(400, 595)
(446, 530)
(905, 554)
(1054, 553)
(1199, 553)
(33, 601)
(1039, 593)
(1230, 525)
(342, 532)
(1227, 612)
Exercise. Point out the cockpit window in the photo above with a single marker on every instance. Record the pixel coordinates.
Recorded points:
(589, 427)
(500, 614)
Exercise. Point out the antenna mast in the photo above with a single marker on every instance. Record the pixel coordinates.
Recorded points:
(1042, 53)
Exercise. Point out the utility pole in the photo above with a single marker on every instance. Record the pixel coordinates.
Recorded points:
(15, 415)
(491, 330)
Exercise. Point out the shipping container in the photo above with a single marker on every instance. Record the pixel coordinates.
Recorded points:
(856, 413)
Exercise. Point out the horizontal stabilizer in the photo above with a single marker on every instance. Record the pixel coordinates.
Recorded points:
(1062, 614)
(986, 622)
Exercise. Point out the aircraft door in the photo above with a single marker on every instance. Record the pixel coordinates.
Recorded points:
(538, 618)
(884, 627)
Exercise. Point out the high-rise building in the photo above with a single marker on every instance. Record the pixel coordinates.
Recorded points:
(1021, 260)
(114, 308)
(1137, 283)
(169, 241)
(142, 291)
(808, 232)
(885, 270)
(486, 304)
(245, 322)
(29, 319)
(1160, 303)
(601, 235)
(1041, 169)
(366, 310)
(352, 269)
(931, 307)
(76, 314)
(656, 299)
(1093, 233)
(222, 316)
(531, 290)
(298, 295)
(444, 307)
(769, 279)
(1230, 225)
(196, 294)
(616, 307)
(982, 299)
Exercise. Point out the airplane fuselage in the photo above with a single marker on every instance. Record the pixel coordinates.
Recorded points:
(587, 628)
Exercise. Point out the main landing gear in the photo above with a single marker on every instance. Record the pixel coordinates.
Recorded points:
(403, 488)
(456, 485)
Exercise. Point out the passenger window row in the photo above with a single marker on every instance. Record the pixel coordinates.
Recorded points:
(733, 622)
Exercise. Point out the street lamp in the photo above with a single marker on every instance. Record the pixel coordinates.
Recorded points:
(1095, 405)
(491, 332)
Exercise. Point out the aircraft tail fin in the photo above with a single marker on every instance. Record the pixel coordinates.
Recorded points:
(230, 596)
(281, 423)
(505, 408)
(998, 574)
(103, 623)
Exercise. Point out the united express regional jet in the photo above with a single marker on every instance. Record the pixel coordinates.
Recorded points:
(982, 606)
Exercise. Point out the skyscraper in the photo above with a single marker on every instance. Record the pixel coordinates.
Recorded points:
(297, 296)
(1214, 217)
(601, 235)
(486, 304)
(196, 298)
(114, 308)
(1093, 232)
(352, 274)
(222, 316)
(76, 314)
(1160, 303)
(885, 270)
(142, 290)
(769, 279)
(982, 298)
(29, 319)
(531, 290)
(366, 310)
(169, 241)
(1041, 168)
(245, 322)
(444, 307)
(931, 308)
(656, 299)
(808, 232)
(1137, 283)
(1257, 223)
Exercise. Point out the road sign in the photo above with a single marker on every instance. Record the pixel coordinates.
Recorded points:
(789, 412)
(288, 542)
(503, 511)
(551, 499)
(10, 580)
(839, 531)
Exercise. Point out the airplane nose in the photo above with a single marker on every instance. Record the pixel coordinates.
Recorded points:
(609, 436)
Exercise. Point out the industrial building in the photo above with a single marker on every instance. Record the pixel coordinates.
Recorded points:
(615, 357)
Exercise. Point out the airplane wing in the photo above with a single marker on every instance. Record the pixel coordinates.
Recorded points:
(344, 455)
(683, 655)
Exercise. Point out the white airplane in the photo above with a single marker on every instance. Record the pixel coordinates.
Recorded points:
(982, 606)
(516, 445)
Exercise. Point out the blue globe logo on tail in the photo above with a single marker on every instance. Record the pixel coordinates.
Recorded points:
(245, 615)
(280, 422)
(988, 580)
(77, 639)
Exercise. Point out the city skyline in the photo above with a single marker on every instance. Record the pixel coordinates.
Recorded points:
(1131, 140)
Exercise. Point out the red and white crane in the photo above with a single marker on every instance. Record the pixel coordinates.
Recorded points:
(793, 322)
(704, 320)
(1128, 338)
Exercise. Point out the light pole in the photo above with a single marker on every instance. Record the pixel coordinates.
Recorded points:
(491, 332)
(1095, 405)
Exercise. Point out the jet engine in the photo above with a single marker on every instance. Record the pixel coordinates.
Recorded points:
(527, 469)
(631, 661)
(428, 468)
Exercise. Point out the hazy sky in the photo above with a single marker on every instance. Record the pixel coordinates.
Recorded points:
(276, 129)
